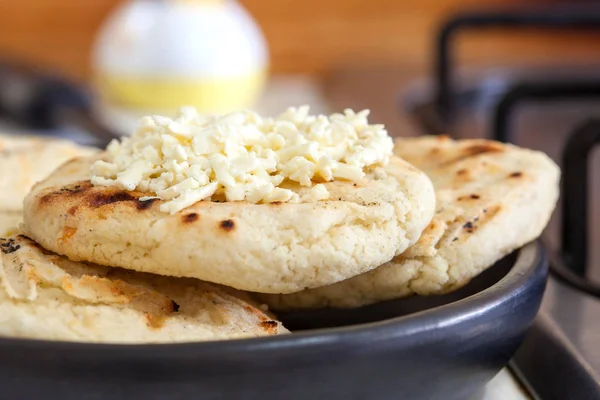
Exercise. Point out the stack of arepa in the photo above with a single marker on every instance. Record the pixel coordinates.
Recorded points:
(192, 227)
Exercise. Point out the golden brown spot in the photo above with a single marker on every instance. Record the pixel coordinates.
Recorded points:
(270, 326)
(517, 174)
(490, 212)
(117, 289)
(189, 218)
(256, 312)
(67, 285)
(227, 225)
(475, 196)
(276, 203)
(461, 171)
(155, 321)
(145, 204)
(486, 147)
(73, 210)
(67, 233)
(101, 216)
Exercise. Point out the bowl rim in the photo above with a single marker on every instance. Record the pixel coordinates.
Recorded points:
(529, 267)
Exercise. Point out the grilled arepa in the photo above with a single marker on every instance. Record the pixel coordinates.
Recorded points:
(47, 296)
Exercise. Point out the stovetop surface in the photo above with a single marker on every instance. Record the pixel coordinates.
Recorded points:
(577, 315)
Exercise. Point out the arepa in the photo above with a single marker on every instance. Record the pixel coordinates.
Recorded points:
(268, 246)
(46, 296)
(492, 198)
(25, 160)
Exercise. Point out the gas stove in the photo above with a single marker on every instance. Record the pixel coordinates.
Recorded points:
(556, 110)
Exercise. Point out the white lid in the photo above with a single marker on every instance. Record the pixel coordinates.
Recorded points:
(183, 39)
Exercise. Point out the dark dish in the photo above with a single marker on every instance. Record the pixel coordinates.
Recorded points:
(445, 347)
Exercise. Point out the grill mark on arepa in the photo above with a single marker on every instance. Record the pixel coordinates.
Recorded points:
(469, 197)
(70, 191)
(9, 246)
(145, 204)
(98, 200)
(516, 174)
(189, 218)
(227, 225)
(473, 151)
(76, 188)
(487, 214)
(95, 198)
(469, 227)
(269, 326)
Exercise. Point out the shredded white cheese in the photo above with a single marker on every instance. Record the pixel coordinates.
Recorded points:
(242, 156)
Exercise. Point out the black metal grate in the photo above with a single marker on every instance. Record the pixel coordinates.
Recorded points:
(575, 207)
(518, 93)
(563, 17)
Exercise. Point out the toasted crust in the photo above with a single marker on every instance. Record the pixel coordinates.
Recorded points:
(491, 199)
(271, 248)
(25, 160)
(46, 296)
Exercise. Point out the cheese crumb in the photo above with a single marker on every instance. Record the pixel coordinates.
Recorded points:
(242, 156)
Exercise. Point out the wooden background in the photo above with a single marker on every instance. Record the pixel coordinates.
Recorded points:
(308, 36)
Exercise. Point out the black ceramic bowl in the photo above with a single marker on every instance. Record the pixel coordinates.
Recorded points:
(444, 347)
